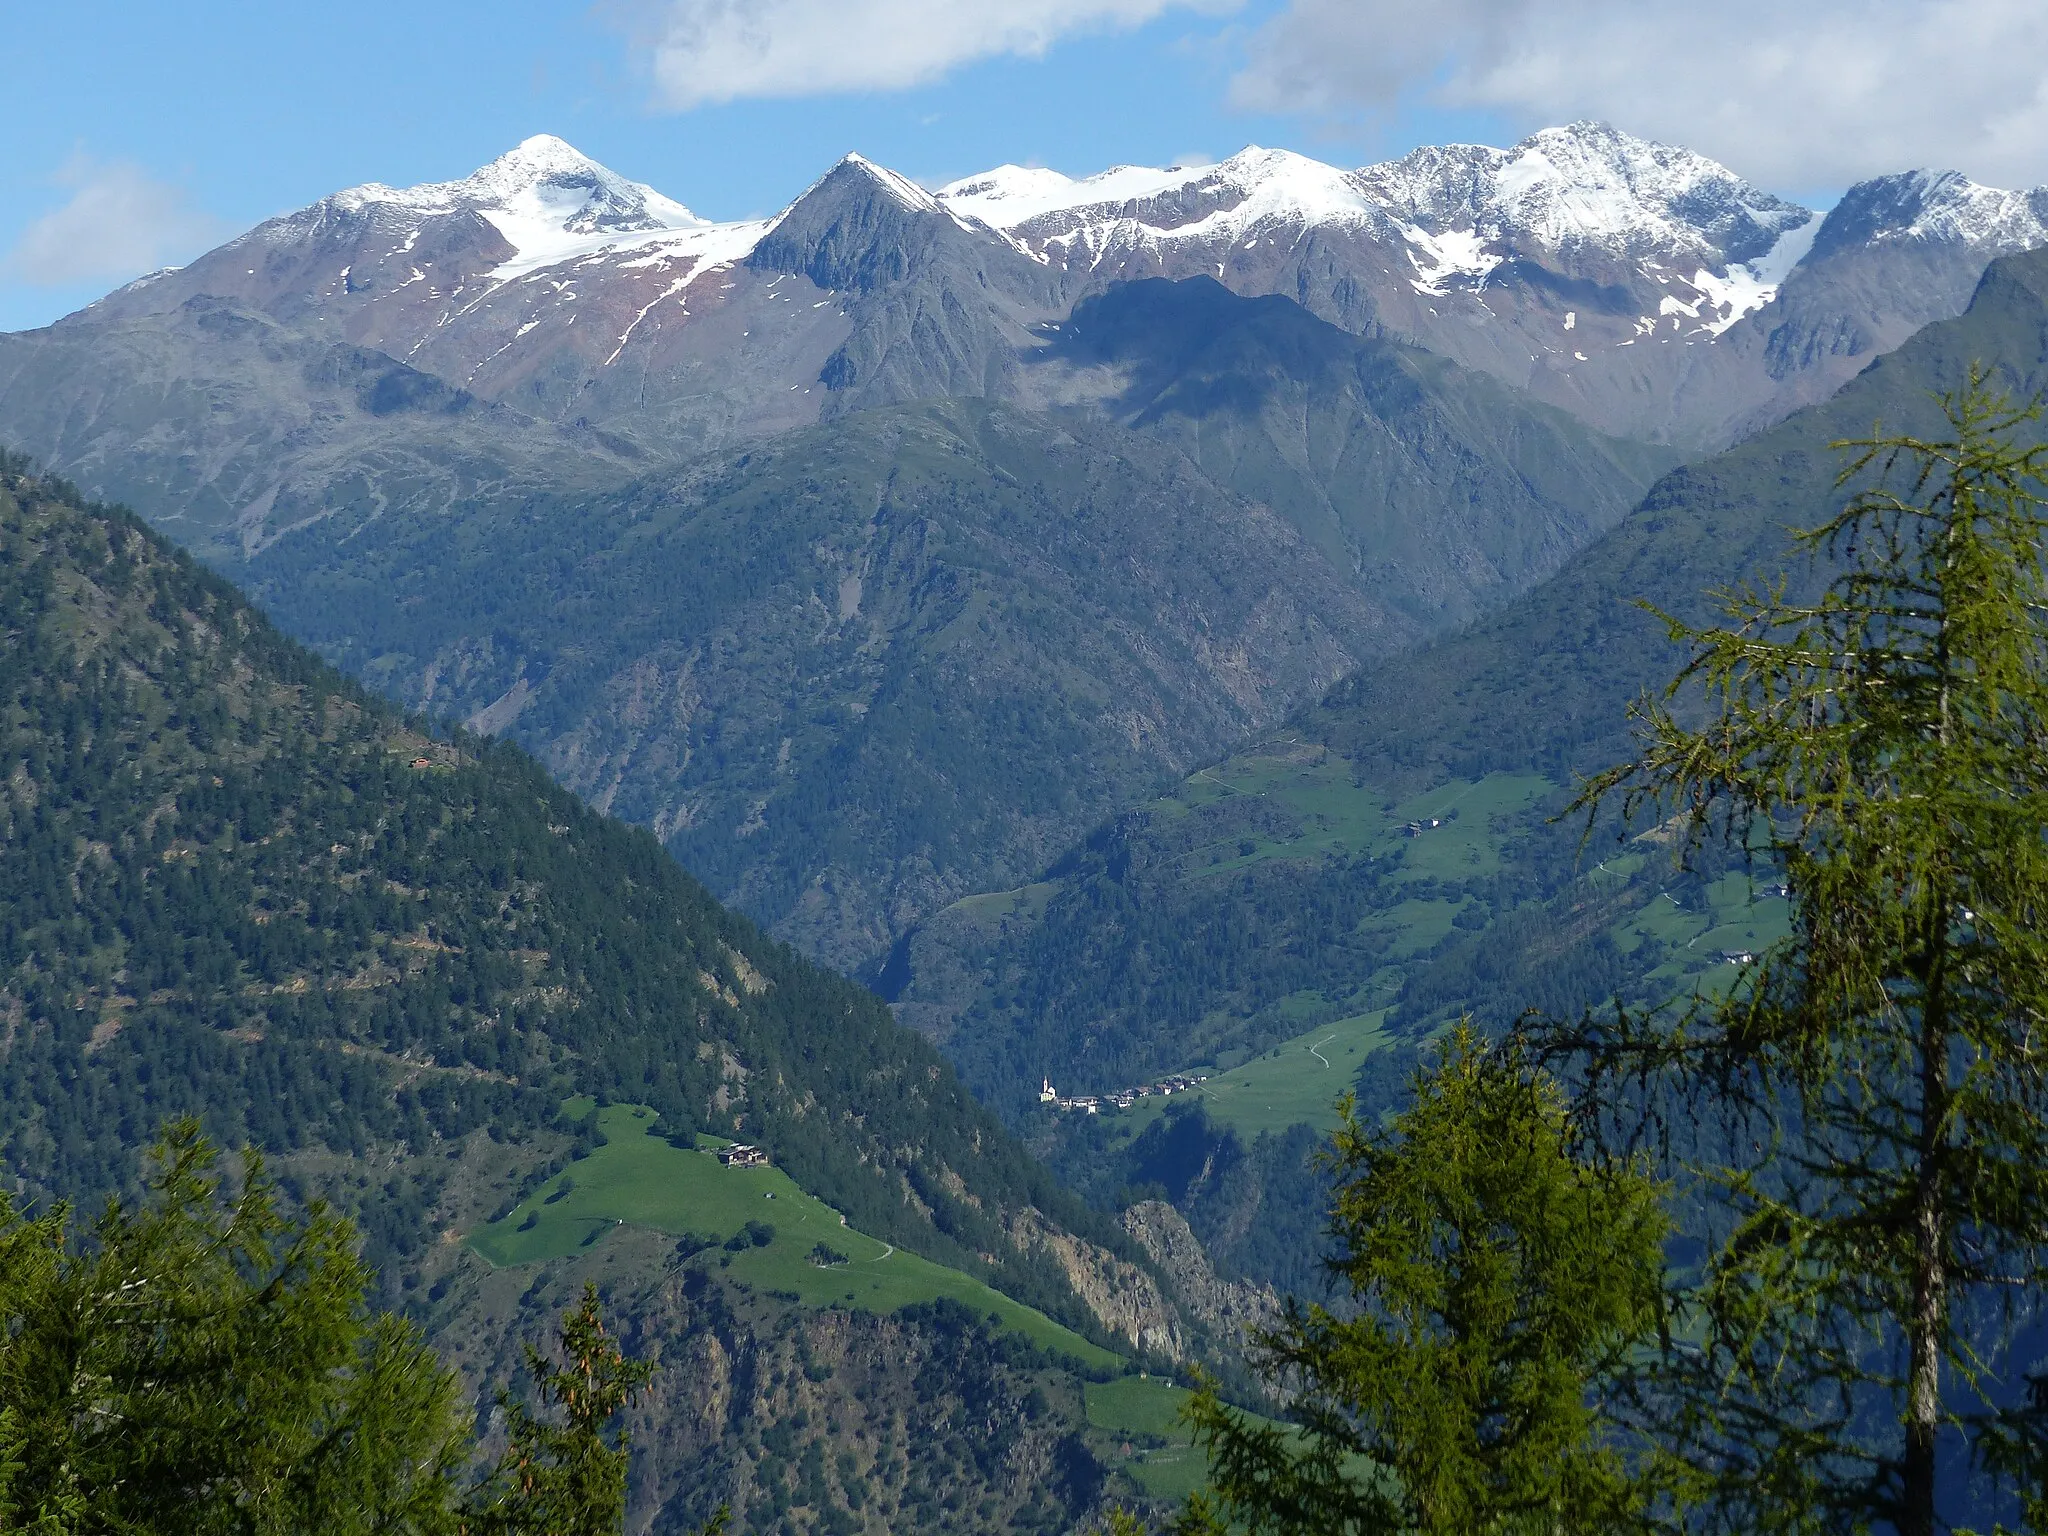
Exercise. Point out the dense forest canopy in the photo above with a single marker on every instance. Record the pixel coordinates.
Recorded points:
(236, 886)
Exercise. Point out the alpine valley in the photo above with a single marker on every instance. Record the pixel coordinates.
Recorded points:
(1139, 628)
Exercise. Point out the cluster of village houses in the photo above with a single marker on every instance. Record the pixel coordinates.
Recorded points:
(1123, 1098)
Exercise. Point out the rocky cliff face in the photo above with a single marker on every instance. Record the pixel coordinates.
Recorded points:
(1124, 1298)
(1231, 1309)
(840, 1420)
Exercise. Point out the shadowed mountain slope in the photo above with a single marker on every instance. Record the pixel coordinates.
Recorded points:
(852, 675)
(1436, 487)
(856, 673)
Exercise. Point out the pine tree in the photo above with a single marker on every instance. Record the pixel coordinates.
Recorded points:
(1495, 1279)
(204, 1364)
(1879, 1136)
(567, 1478)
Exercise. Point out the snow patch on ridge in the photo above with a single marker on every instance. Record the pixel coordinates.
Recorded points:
(1013, 195)
(1252, 186)
(1453, 254)
(1748, 286)
(704, 247)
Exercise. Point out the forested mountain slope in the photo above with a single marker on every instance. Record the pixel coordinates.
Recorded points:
(1386, 860)
(849, 676)
(234, 885)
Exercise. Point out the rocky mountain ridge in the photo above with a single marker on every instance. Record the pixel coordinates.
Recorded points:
(1647, 289)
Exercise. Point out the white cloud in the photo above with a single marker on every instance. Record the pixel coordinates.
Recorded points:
(1798, 96)
(707, 51)
(117, 223)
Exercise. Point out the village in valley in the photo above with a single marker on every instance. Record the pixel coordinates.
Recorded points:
(1123, 1098)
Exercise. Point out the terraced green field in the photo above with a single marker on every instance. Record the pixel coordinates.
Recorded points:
(639, 1179)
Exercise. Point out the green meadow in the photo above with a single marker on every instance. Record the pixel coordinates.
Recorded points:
(1140, 1412)
(640, 1180)
(1735, 918)
(1297, 1082)
(1143, 1413)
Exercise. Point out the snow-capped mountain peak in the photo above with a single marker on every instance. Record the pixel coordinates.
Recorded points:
(546, 198)
(1270, 181)
(1584, 187)
(1936, 206)
(899, 187)
(1008, 194)
(1587, 187)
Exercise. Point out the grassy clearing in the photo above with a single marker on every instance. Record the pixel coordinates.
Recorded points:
(1297, 1082)
(1736, 918)
(640, 1180)
(1142, 1417)
(1330, 813)
(1414, 926)
(1468, 842)
(1143, 1413)
(1027, 902)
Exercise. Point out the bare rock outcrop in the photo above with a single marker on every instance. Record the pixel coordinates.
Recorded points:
(1230, 1308)
(1124, 1298)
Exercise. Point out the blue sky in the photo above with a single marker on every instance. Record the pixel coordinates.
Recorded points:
(162, 129)
(246, 110)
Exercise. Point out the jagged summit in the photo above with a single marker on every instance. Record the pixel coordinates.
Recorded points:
(1582, 184)
(549, 201)
(1938, 206)
(1592, 267)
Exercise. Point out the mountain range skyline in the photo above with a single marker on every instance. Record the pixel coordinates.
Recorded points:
(1013, 195)
(139, 138)
(426, 425)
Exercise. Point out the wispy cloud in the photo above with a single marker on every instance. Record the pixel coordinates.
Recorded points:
(1803, 96)
(709, 51)
(118, 222)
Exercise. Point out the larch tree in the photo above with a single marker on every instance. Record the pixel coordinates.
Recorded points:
(1871, 1097)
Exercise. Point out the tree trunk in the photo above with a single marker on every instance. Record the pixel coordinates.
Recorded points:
(1930, 1254)
(1923, 1393)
